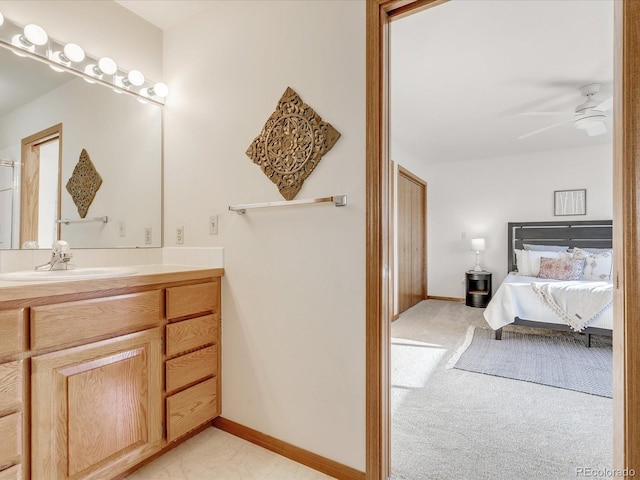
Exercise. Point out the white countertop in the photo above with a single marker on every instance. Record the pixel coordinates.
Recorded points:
(145, 274)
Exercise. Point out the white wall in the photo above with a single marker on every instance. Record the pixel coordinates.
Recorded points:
(294, 288)
(479, 197)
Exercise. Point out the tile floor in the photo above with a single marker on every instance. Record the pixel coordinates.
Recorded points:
(217, 455)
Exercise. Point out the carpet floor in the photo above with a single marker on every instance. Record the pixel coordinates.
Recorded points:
(455, 424)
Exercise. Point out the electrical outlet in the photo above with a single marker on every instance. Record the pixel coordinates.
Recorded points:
(213, 224)
(464, 235)
(122, 229)
(180, 234)
(147, 235)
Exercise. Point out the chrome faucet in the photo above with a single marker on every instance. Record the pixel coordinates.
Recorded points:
(60, 257)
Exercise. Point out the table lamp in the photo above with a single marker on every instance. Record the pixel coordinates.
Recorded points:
(478, 245)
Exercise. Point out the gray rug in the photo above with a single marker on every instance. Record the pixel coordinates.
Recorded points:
(561, 361)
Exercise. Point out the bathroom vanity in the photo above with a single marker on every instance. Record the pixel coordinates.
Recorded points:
(100, 374)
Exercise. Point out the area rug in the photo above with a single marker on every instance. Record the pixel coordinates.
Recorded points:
(561, 361)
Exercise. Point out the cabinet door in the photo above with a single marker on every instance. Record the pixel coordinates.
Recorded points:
(97, 408)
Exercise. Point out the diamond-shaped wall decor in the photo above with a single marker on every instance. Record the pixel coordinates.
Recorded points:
(84, 183)
(291, 144)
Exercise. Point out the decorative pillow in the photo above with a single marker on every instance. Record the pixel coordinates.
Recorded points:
(534, 260)
(528, 261)
(522, 262)
(545, 248)
(597, 250)
(566, 255)
(557, 269)
(597, 266)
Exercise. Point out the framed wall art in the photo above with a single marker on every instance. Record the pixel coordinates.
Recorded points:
(570, 202)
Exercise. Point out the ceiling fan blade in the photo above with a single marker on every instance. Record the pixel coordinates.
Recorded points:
(545, 114)
(597, 129)
(543, 129)
(606, 105)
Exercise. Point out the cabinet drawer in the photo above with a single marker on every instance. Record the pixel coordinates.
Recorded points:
(13, 473)
(190, 409)
(190, 334)
(12, 339)
(193, 299)
(10, 433)
(55, 325)
(190, 368)
(10, 386)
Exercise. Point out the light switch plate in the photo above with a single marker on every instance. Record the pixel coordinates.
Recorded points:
(213, 224)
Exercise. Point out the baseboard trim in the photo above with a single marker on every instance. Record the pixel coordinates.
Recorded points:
(297, 454)
(446, 299)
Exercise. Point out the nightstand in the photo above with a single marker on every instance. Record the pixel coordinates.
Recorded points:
(478, 288)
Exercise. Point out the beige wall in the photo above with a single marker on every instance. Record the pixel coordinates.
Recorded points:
(294, 290)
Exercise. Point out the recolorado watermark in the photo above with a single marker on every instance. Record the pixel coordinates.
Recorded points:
(605, 472)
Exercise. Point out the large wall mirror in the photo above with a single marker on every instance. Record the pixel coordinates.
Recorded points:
(47, 119)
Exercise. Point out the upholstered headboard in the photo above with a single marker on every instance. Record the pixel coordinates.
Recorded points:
(584, 234)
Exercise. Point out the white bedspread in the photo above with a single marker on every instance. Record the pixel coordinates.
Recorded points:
(577, 303)
(516, 298)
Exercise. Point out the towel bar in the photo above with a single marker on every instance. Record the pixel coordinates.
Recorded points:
(338, 201)
(67, 221)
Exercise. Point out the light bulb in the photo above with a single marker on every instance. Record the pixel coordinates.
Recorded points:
(107, 66)
(135, 77)
(159, 89)
(91, 70)
(35, 34)
(73, 52)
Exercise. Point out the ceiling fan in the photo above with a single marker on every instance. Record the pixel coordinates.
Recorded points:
(588, 116)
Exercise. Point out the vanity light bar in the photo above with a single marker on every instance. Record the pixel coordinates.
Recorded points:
(32, 41)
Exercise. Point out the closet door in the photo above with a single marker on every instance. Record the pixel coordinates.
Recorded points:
(411, 244)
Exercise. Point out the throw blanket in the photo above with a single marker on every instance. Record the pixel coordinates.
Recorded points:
(576, 303)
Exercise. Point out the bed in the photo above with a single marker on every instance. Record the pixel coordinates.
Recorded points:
(517, 302)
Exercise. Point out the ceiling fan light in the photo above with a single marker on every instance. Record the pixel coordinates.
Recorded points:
(597, 129)
(590, 121)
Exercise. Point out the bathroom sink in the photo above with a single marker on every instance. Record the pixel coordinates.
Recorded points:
(62, 275)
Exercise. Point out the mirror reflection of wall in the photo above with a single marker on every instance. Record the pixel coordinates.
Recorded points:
(6, 203)
(48, 210)
(122, 137)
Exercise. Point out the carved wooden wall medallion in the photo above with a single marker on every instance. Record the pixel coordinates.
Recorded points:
(291, 144)
(84, 183)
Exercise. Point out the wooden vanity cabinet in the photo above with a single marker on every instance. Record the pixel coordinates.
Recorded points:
(13, 371)
(97, 408)
(193, 357)
(96, 381)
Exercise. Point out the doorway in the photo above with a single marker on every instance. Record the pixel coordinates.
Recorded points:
(40, 188)
(626, 233)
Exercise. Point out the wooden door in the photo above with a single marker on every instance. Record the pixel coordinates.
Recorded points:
(411, 239)
(97, 408)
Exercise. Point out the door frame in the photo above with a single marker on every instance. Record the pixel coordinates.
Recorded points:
(626, 231)
(29, 194)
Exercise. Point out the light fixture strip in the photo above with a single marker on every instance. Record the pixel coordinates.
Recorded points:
(9, 29)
